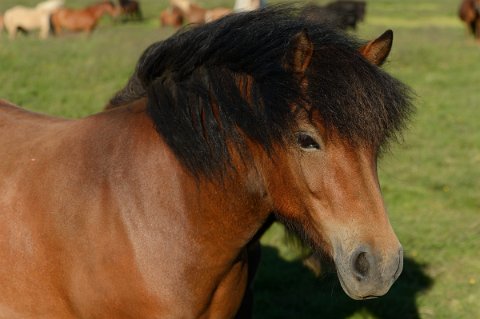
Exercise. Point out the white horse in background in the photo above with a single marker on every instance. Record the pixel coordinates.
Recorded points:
(183, 5)
(248, 5)
(30, 19)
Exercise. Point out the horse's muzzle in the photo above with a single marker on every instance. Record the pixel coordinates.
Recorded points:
(365, 274)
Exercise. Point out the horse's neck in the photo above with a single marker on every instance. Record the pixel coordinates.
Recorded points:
(216, 213)
(232, 213)
(100, 11)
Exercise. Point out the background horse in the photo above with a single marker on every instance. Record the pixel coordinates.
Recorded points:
(216, 13)
(79, 20)
(148, 210)
(171, 17)
(469, 12)
(29, 19)
(341, 14)
(248, 5)
(195, 14)
(131, 9)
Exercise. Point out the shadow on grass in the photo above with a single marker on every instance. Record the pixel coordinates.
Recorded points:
(286, 289)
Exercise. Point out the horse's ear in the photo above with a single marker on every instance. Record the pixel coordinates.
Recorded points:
(299, 53)
(377, 51)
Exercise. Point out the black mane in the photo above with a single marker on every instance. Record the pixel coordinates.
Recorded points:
(200, 104)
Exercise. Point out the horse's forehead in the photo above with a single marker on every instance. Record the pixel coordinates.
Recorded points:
(310, 116)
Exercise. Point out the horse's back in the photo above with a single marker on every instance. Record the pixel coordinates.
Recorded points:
(73, 19)
(49, 6)
(25, 17)
(19, 10)
(25, 135)
(13, 117)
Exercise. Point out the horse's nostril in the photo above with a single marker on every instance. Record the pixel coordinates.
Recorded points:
(361, 265)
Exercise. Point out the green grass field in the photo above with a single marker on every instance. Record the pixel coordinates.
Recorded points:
(431, 182)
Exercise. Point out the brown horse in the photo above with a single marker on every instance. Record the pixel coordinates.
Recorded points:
(469, 12)
(195, 14)
(216, 13)
(148, 210)
(131, 9)
(171, 17)
(341, 14)
(79, 20)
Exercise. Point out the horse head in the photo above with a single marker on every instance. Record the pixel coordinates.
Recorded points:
(107, 6)
(326, 187)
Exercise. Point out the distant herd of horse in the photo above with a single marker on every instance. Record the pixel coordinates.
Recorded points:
(52, 16)
(342, 14)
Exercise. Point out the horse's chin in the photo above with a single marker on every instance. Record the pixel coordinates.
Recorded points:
(361, 289)
(352, 295)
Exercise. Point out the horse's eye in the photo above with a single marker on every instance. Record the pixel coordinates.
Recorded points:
(307, 142)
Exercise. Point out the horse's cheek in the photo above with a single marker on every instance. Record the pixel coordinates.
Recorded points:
(312, 167)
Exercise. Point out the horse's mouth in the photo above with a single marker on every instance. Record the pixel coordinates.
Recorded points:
(351, 294)
(346, 289)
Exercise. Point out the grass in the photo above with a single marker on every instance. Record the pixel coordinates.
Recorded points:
(431, 182)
